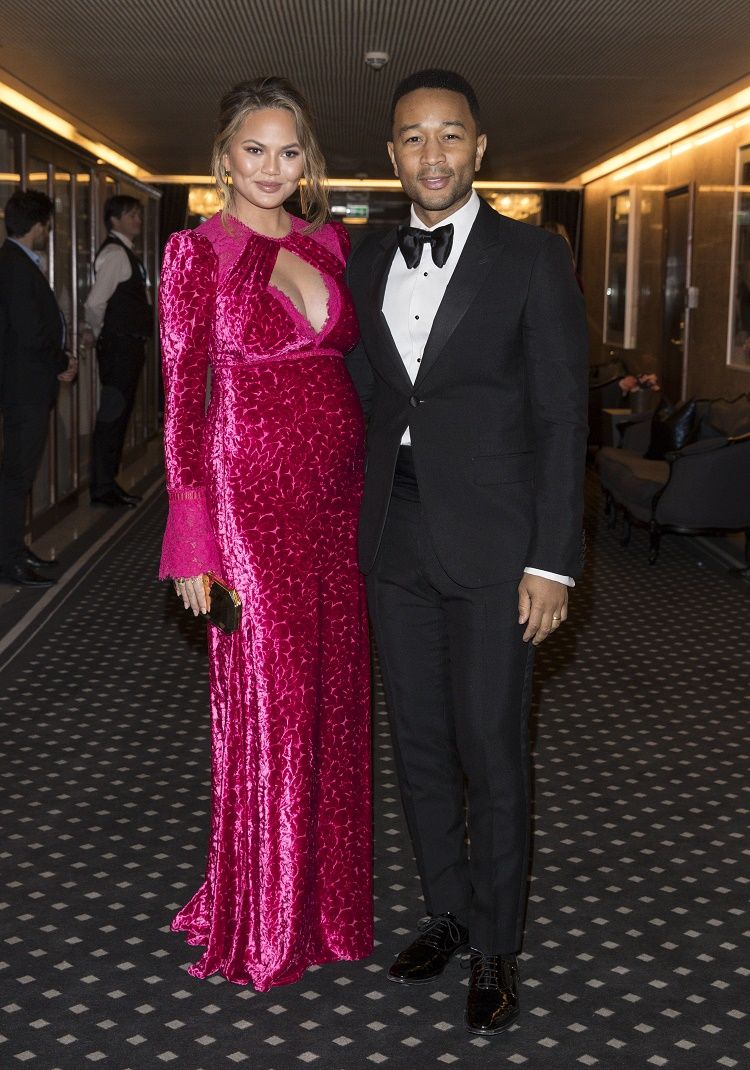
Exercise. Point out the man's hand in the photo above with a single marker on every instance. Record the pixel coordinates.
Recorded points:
(86, 337)
(542, 606)
(70, 372)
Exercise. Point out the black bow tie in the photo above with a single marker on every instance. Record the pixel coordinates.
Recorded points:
(411, 240)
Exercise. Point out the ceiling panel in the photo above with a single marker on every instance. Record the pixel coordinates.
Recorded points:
(561, 82)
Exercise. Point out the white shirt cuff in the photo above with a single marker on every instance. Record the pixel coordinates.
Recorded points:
(567, 580)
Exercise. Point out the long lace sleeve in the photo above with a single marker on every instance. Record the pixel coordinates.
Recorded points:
(186, 299)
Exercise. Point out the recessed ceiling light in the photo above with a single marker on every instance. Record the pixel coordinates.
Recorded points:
(376, 60)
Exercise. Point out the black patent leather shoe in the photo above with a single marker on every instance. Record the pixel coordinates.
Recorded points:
(20, 575)
(113, 500)
(492, 1004)
(34, 561)
(440, 937)
(125, 498)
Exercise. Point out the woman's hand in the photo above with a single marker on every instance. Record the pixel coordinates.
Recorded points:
(193, 593)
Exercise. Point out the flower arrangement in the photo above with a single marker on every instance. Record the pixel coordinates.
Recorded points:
(645, 381)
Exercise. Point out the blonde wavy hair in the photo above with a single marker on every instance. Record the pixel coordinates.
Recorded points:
(247, 97)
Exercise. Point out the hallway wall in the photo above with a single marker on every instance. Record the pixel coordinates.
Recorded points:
(78, 183)
(710, 167)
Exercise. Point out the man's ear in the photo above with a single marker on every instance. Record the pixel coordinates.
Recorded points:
(481, 147)
(392, 155)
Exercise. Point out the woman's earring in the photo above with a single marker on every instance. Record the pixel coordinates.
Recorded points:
(227, 174)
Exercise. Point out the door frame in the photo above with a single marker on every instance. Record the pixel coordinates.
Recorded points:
(689, 189)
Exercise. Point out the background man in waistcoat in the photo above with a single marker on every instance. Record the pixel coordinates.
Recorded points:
(473, 370)
(120, 316)
(32, 362)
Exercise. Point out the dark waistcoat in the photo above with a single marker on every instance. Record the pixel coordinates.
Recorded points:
(128, 309)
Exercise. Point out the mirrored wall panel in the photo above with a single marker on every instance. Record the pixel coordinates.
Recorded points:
(738, 348)
(620, 298)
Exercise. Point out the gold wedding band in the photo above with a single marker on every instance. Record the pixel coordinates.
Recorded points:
(557, 618)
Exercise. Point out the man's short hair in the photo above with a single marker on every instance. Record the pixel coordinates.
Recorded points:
(117, 205)
(25, 208)
(436, 78)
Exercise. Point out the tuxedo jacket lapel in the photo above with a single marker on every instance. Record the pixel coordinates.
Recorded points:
(380, 268)
(475, 263)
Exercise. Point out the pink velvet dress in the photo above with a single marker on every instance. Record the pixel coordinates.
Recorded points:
(264, 489)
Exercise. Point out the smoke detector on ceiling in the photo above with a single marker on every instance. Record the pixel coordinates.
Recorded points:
(376, 60)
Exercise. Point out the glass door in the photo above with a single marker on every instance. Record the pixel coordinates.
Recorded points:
(86, 384)
(675, 294)
(78, 188)
(43, 492)
(738, 347)
(152, 372)
(10, 172)
(104, 186)
(63, 282)
(55, 171)
(142, 423)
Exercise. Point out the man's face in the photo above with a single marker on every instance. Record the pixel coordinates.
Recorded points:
(130, 223)
(40, 235)
(435, 151)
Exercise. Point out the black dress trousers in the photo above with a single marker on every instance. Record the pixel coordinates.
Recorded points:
(121, 358)
(25, 429)
(457, 676)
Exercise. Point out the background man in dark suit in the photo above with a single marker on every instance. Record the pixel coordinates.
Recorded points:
(120, 316)
(32, 361)
(473, 371)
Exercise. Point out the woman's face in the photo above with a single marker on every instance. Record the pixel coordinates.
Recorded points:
(265, 160)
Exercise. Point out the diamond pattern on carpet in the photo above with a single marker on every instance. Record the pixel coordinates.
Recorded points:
(636, 951)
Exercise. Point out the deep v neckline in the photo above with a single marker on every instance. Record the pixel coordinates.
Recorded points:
(288, 303)
(258, 257)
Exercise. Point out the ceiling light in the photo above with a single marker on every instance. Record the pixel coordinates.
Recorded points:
(701, 121)
(376, 60)
(50, 121)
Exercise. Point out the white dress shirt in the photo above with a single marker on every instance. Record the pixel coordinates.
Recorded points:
(111, 267)
(413, 296)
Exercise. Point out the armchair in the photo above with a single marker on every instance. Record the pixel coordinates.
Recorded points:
(604, 392)
(701, 489)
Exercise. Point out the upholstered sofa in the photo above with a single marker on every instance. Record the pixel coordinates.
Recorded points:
(701, 488)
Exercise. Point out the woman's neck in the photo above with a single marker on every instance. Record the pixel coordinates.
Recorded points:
(271, 222)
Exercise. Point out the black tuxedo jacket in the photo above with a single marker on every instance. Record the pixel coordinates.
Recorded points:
(498, 412)
(31, 332)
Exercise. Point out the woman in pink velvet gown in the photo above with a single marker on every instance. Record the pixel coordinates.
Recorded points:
(264, 490)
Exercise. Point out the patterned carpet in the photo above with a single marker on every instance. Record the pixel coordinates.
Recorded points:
(637, 944)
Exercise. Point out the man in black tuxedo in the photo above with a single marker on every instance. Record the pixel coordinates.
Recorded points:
(473, 373)
(32, 362)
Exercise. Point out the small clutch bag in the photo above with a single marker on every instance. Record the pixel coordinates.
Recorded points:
(224, 606)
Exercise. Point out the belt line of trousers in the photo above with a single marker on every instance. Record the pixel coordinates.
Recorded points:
(121, 359)
(457, 677)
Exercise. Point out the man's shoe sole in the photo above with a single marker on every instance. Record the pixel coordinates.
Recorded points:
(433, 977)
(419, 981)
(39, 585)
(493, 1032)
